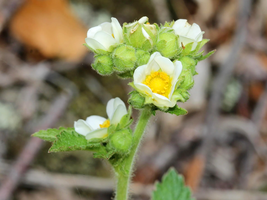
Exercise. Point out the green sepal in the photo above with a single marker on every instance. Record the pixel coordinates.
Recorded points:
(188, 81)
(103, 65)
(176, 110)
(199, 46)
(126, 120)
(136, 100)
(172, 187)
(124, 58)
(206, 56)
(167, 43)
(120, 142)
(126, 75)
(187, 49)
(169, 24)
(189, 63)
(142, 57)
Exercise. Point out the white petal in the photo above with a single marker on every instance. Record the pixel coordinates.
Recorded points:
(118, 114)
(176, 73)
(198, 39)
(162, 101)
(106, 27)
(117, 30)
(165, 64)
(94, 121)
(94, 44)
(181, 27)
(152, 65)
(155, 54)
(143, 88)
(145, 34)
(82, 127)
(194, 31)
(139, 74)
(105, 39)
(112, 105)
(98, 133)
(185, 40)
(143, 20)
(92, 31)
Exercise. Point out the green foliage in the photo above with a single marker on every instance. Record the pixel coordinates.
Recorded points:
(51, 133)
(176, 110)
(172, 187)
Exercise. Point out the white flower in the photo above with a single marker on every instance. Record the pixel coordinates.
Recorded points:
(157, 79)
(187, 33)
(104, 35)
(96, 126)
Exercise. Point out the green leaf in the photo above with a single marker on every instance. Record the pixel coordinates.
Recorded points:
(177, 111)
(171, 188)
(51, 133)
(68, 142)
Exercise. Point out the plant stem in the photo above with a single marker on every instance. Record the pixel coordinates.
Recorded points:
(125, 171)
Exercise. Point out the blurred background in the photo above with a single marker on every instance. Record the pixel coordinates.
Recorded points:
(46, 81)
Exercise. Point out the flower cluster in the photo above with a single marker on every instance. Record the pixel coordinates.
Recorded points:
(160, 59)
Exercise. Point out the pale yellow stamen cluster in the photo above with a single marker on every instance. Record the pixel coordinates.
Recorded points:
(159, 82)
(106, 124)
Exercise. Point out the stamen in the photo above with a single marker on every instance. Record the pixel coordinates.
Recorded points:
(105, 124)
(158, 82)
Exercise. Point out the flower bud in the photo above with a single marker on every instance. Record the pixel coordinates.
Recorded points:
(142, 57)
(124, 58)
(188, 81)
(103, 64)
(121, 141)
(189, 63)
(140, 34)
(167, 43)
(136, 100)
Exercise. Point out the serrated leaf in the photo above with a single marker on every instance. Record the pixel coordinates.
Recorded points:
(172, 187)
(177, 111)
(51, 133)
(68, 141)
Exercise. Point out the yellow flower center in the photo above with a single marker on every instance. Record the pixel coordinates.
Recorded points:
(113, 35)
(159, 82)
(106, 124)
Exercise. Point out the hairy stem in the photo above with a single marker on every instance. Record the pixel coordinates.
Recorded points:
(125, 170)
